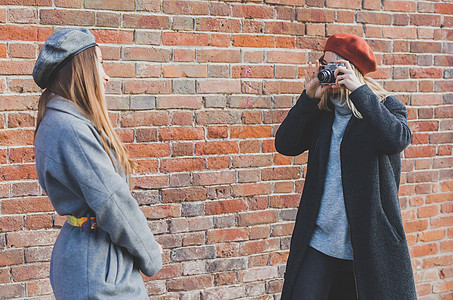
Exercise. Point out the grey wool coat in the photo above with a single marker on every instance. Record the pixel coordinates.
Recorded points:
(78, 176)
(370, 167)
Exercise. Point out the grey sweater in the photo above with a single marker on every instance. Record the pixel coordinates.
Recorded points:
(331, 235)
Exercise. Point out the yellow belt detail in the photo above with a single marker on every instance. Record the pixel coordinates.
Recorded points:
(82, 222)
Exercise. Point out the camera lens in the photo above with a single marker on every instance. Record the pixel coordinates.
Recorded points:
(326, 76)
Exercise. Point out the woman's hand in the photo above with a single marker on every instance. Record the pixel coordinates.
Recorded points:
(348, 79)
(313, 88)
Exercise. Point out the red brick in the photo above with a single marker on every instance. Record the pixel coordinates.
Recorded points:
(396, 86)
(40, 221)
(286, 57)
(218, 117)
(425, 47)
(147, 86)
(17, 172)
(214, 178)
(443, 197)
(285, 201)
(66, 17)
(444, 8)
(162, 211)
(425, 20)
(218, 25)
(185, 70)
(283, 87)
(182, 164)
(183, 102)
(247, 161)
(258, 217)
(181, 133)
(225, 206)
(146, 21)
(10, 257)
(3, 50)
(349, 4)
(108, 19)
(251, 11)
(227, 235)
(217, 132)
(335, 28)
(185, 39)
(148, 150)
(189, 283)
(32, 238)
(429, 236)
(280, 173)
(400, 33)
(374, 18)
(259, 41)
(151, 182)
(181, 195)
(415, 226)
(23, 15)
(255, 247)
(119, 69)
(420, 151)
(15, 67)
(182, 149)
(147, 54)
(214, 55)
(112, 36)
(315, 15)
(217, 147)
(426, 99)
(185, 7)
(215, 163)
(109, 5)
(252, 72)
(243, 132)
(400, 6)
(426, 73)
(27, 272)
(10, 291)
(287, 28)
(24, 33)
(282, 229)
(219, 86)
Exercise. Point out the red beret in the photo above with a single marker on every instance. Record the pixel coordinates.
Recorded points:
(354, 49)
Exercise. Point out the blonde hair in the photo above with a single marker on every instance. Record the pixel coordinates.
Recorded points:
(380, 92)
(79, 80)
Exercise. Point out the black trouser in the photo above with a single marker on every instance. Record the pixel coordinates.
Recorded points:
(323, 277)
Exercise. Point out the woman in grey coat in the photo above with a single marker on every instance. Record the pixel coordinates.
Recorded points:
(83, 167)
(348, 241)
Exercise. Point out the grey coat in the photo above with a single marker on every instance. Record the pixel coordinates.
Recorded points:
(370, 168)
(78, 176)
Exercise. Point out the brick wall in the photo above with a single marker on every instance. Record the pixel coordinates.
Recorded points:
(197, 91)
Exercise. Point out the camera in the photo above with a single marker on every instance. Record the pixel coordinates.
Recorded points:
(326, 73)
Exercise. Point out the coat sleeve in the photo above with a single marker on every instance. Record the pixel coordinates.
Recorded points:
(86, 169)
(295, 134)
(387, 120)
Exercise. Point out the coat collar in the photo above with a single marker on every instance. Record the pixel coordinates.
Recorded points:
(62, 104)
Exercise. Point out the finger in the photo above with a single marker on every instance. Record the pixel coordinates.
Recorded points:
(310, 70)
(307, 79)
(341, 70)
(346, 63)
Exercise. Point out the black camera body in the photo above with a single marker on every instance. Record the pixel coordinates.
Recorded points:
(326, 73)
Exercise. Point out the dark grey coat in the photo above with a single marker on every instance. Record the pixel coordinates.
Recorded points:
(78, 176)
(370, 168)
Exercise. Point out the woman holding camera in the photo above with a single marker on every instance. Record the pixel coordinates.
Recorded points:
(348, 241)
(83, 167)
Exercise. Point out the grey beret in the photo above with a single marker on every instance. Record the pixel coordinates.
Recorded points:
(59, 48)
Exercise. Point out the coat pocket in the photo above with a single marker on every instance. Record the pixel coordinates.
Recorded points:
(390, 228)
(111, 266)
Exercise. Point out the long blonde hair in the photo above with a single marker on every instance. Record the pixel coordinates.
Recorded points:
(380, 92)
(79, 80)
